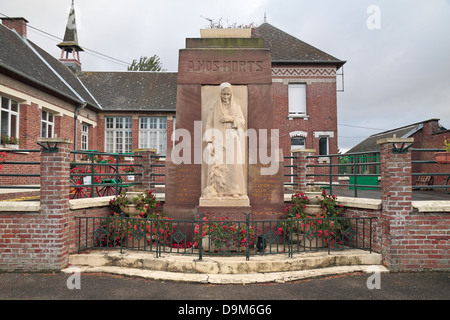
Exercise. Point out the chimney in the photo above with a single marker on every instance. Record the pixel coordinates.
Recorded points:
(18, 24)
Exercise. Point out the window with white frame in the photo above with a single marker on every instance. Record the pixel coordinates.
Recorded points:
(9, 117)
(84, 137)
(297, 143)
(118, 134)
(297, 99)
(153, 134)
(47, 124)
(324, 141)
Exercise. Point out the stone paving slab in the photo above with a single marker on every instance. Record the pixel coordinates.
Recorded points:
(279, 277)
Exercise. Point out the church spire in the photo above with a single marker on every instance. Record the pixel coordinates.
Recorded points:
(70, 43)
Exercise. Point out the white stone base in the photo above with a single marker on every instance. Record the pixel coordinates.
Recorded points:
(225, 202)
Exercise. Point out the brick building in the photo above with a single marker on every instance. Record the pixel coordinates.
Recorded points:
(427, 134)
(122, 111)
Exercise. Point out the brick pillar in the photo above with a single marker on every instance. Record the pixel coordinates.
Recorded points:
(54, 180)
(300, 169)
(396, 197)
(147, 169)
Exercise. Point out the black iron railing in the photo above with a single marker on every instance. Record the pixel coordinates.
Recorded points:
(224, 237)
(426, 157)
(157, 164)
(360, 168)
(19, 166)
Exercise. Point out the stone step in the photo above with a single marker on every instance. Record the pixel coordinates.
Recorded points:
(259, 269)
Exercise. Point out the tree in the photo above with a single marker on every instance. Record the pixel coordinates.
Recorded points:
(146, 64)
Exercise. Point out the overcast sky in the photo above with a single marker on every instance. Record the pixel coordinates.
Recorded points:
(397, 51)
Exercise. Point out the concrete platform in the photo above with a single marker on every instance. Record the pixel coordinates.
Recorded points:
(226, 270)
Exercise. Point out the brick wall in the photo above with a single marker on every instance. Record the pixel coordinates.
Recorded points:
(409, 239)
(27, 242)
(42, 240)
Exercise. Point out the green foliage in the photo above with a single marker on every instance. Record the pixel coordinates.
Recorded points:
(5, 139)
(225, 233)
(146, 64)
(447, 145)
(146, 203)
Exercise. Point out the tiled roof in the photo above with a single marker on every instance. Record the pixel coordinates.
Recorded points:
(22, 58)
(133, 90)
(288, 49)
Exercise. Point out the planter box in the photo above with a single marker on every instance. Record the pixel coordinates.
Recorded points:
(131, 210)
(313, 209)
(131, 194)
(313, 196)
(210, 247)
(134, 243)
(10, 146)
(297, 237)
(305, 242)
(315, 243)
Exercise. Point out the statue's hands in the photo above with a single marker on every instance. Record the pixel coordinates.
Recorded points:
(227, 119)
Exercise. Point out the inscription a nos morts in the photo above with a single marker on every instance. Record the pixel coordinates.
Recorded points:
(224, 66)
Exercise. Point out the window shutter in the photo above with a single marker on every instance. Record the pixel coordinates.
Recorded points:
(297, 98)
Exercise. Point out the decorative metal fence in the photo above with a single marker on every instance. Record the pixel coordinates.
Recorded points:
(26, 174)
(224, 237)
(363, 173)
(101, 174)
(429, 173)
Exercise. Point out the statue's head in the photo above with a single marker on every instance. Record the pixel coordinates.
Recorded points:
(225, 92)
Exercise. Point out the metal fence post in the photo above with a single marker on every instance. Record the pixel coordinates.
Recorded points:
(247, 230)
(200, 236)
(158, 253)
(290, 245)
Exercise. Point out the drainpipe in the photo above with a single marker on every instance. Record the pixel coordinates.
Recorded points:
(77, 111)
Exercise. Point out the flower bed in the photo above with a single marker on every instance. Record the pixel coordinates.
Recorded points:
(224, 235)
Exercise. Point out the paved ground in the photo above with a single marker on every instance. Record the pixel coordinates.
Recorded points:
(392, 286)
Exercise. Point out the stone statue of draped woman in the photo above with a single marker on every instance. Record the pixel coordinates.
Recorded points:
(225, 148)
